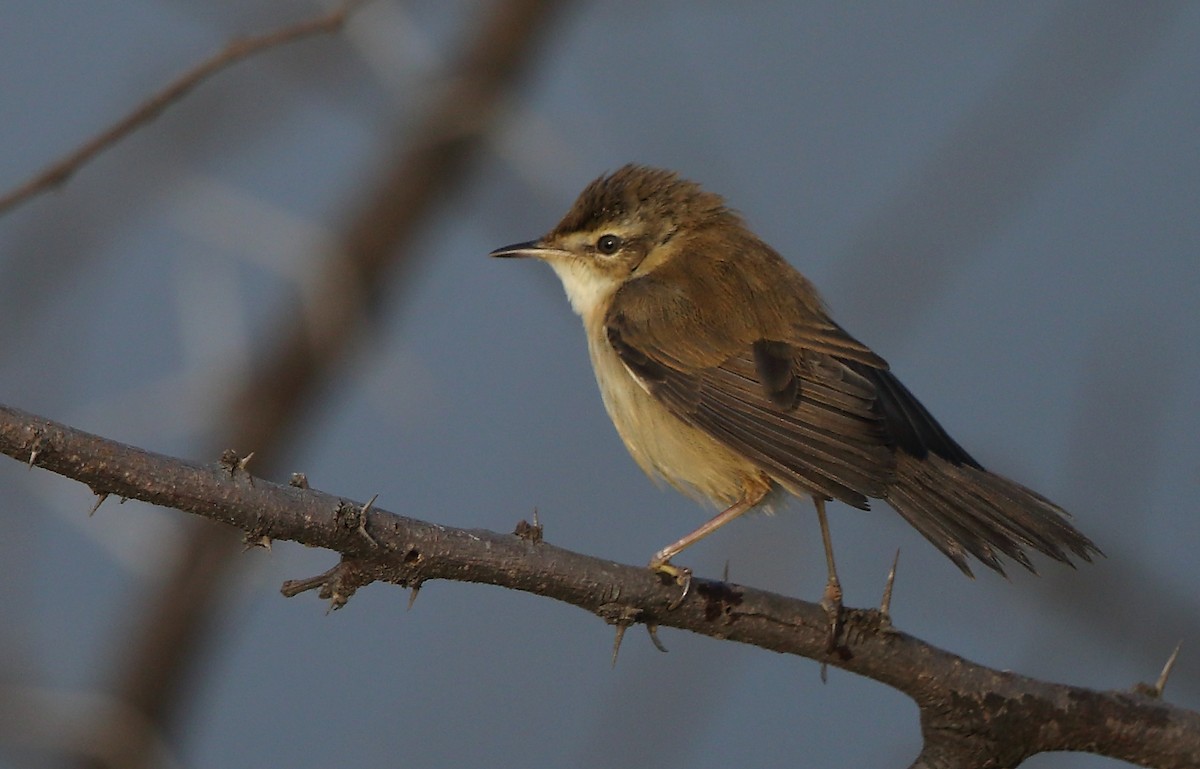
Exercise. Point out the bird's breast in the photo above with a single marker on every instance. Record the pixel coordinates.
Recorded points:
(664, 445)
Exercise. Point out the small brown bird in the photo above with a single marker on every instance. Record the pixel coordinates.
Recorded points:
(724, 375)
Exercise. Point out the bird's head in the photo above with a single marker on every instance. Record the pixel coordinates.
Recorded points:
(622, 226)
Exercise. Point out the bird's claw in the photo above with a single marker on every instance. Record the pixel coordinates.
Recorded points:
(831, 602)
(681, 575)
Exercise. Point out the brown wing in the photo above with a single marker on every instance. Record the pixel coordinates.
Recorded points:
(807, 416)
(760, 367)
(821, 414)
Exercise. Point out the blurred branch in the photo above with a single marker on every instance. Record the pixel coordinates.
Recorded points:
(266, 410)
(235, 51)
(971, 715)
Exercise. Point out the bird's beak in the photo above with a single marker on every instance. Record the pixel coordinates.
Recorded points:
(531, 248)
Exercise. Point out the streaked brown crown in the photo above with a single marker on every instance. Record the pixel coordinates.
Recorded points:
(634, 194)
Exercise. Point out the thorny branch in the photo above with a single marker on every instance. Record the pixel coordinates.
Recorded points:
(431, 158)
(971, 715)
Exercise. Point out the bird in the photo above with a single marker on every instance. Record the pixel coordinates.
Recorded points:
(725, 376)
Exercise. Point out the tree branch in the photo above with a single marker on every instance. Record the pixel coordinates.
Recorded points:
(971, 715)
(59, 171)
(430, 160)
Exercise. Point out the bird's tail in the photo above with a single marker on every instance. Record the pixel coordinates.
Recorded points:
(967, 510)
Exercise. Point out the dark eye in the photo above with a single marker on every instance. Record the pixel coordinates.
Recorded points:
(608, 244)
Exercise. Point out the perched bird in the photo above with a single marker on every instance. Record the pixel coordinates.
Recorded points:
(724, 375)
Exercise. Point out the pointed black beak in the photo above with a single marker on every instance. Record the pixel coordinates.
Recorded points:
(530, 248)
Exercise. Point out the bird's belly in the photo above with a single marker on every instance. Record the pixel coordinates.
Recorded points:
(664, 445)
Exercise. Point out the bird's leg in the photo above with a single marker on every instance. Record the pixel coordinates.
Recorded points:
(831, 601)
(661, 562)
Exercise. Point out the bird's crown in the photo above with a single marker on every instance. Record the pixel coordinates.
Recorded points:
(644, 195)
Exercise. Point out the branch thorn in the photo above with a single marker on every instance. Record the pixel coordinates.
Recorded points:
(1156, 691)
(652, 629)
(232, 462)
(885, 605)
(362, 521)
(252, 540)
(35, 448)
(621, 628)
(99, 501)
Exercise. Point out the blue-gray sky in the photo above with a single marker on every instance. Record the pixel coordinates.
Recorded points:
(1002, 199)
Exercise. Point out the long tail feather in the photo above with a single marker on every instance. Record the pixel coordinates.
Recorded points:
(967, 510)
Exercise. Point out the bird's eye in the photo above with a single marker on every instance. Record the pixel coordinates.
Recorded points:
(608, 244)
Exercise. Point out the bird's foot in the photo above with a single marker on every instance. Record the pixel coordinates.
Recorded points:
(680, 575)
(831, 602)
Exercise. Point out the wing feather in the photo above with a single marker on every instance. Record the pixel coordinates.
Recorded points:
(804, 416)
(821, 414)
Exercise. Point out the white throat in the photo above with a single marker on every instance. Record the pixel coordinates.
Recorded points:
(588, 289)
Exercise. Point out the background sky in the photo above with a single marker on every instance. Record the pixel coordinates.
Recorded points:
(1002, 199)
